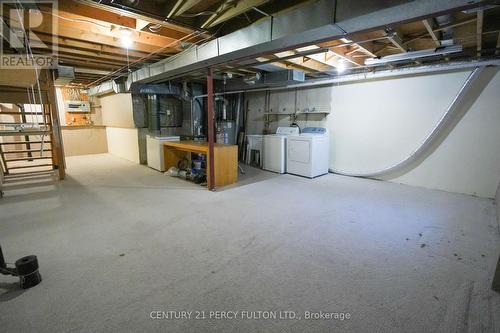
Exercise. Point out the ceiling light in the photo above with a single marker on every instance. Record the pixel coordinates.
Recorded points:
(126, 37)
(341, 66)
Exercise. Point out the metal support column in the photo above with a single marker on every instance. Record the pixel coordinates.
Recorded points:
(210, 131)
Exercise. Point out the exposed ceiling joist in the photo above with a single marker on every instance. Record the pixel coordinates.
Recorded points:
(104, 28)
(457, 23)
(230, 9)
(93, 13)
(308, 62)
(176, 27)
(429, 26)
(479, 31)
(181, 6)
(89, 46)
(397, 42)
(85, 34)
(367, 51)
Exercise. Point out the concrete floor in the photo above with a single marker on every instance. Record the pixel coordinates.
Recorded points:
(117, 241)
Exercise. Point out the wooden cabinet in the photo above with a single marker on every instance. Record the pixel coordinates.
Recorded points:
(225, 158)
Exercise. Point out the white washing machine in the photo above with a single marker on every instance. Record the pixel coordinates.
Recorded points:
(274, 147)
(154, 150)
(308, 153)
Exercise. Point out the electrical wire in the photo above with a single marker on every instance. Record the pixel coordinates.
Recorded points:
(76, 20)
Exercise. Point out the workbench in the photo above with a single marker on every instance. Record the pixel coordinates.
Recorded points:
(225, 159)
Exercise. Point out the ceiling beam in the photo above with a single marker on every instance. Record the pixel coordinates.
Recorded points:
(230, 9)
(181, 6)
(275, 61)
(305, 62)
(479, 31)
(93, 13)
(345, 52)
(85, 34)
(396, 41)
(92, 47)
(169, 25)
(75, 10)
(81, 31)
(104, 28)
(428, 25)
(367, 51)
(89, 54)
(89, 64)
(456, 24)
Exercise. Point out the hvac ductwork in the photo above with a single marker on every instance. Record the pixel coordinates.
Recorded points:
(315, 22)
(279, 78)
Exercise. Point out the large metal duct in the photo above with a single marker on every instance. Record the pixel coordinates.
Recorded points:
(312, 23)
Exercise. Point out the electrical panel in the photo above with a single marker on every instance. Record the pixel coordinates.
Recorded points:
(77, 106)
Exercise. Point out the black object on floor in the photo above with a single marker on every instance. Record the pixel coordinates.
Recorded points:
(25, 268)
(496, 279)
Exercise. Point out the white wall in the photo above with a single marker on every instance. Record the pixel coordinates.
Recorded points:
(116, 110)
(122, 136)
(80, 140)
(376, 124)
(123, 142)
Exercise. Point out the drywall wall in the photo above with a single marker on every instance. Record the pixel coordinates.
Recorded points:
(123, 142)
(116, 110)
(376, 124)
(84, 140)
(122, 136)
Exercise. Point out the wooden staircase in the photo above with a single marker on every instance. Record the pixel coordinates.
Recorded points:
(30, 141)
(34, 144)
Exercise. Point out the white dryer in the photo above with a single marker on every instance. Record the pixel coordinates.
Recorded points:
(274, 147)
(308, 153)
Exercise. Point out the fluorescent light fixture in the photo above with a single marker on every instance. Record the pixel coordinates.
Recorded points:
(442, 50)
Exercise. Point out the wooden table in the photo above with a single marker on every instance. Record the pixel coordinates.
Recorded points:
(225, 158)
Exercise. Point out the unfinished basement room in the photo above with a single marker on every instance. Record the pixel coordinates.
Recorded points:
(250, 166)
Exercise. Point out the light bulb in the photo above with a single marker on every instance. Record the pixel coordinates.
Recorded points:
(341, 67)
(126, 38)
